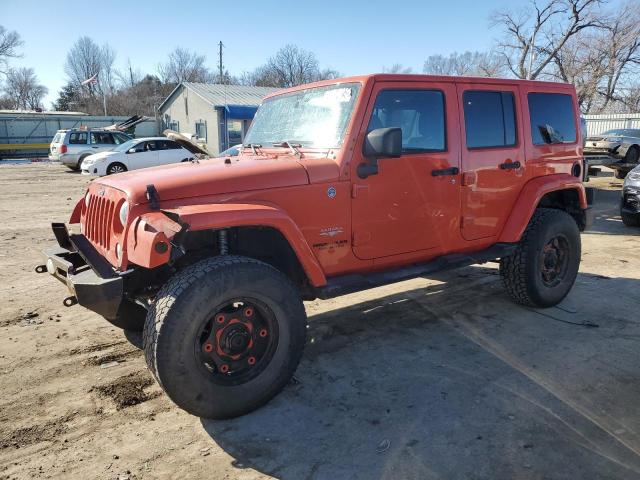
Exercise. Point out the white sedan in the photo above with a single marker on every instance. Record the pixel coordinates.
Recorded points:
(134, 154)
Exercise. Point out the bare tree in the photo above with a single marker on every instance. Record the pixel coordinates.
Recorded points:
(484, 64)
(22, 89)
(184, 66)
(290, 66)
(86, 59)
(396, 68)
(9, 44)
(534, 35)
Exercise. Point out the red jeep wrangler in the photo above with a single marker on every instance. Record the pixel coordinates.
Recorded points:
(341, 185)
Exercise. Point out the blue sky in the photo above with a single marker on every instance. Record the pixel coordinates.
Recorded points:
(352, 37)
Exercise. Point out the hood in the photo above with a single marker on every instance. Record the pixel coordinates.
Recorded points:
(185, 142)
(209, 177)
(95, 156)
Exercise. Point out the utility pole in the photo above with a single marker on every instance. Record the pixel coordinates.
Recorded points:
(221, 73)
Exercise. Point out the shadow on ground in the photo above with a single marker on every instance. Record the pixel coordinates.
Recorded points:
(455, 381)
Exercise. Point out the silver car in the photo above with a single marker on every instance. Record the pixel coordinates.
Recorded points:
(630, 204)
(621, 146)
(71, 147)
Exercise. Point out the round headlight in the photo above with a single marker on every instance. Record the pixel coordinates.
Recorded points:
(118, 251)
(86, 199)
(124, 212)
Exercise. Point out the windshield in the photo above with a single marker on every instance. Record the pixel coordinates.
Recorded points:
(123, 147)
(316, 117)
(627, 132)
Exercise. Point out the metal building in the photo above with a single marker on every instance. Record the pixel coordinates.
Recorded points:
(217, 115)
(28, 134)
(597, 124)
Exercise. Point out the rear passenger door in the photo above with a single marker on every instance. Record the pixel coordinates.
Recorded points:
(170, 152)
(493, 161)
(102, 141)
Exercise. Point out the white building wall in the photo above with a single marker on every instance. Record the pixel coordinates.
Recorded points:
(596, 124)
(187, 109)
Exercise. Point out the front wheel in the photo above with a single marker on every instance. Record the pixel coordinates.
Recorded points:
(542, 270)
(630, 220)
(225, 335)
(116, 167)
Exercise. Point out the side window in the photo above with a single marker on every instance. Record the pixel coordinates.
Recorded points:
(102, 138)
(140, 147)
(172, 145)
(150, 146)
(201, 130)
(420, 115)
(120, 138)
(77, 138)
(552, 118)
(489, 119)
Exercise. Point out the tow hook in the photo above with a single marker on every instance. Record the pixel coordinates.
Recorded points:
(70, 301)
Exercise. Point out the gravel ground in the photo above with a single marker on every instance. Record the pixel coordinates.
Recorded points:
(439, 378)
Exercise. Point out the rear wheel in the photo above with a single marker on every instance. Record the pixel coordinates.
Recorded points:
(225, 335)
(630, 220)
(545, 264)
(116, 167)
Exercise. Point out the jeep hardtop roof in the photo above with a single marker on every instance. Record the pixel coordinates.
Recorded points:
(405, 77)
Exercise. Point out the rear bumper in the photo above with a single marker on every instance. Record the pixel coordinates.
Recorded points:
(91, 283)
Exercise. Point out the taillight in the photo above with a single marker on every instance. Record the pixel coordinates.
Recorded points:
(63, 149)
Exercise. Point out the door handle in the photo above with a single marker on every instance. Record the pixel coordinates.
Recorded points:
(94, 147)
(509, 165)
(445, 171)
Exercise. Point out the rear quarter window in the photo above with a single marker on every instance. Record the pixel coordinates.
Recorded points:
(552, 118)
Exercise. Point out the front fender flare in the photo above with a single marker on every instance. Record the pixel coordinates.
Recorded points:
(225, 215)
(530, 197)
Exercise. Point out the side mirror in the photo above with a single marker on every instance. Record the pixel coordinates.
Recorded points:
(383, 143)
(132, 150)
(379, 143)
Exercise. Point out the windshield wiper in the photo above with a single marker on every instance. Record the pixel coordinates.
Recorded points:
(253, 147)
(291, 146)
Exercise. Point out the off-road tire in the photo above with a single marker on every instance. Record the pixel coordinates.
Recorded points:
(521, 271)
(130, 316)
(114, 165)
(630, 220)
(186, 302)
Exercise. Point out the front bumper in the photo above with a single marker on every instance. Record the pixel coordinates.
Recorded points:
(89, 277)
(630, 202)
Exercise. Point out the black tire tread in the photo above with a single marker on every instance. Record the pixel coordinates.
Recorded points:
(630, 220)
(513, 267)
(183, 281)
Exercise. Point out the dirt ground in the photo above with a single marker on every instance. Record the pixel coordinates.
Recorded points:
(439, 378)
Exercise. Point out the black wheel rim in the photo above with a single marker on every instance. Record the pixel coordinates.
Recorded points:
(554, 260)
(237, 341)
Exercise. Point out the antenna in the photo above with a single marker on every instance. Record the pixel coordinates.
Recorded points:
(221, 73)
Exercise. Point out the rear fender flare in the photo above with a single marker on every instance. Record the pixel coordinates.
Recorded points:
(530, 197)
(224, 215)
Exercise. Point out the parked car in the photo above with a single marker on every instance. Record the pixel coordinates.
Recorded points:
(134, 154)
(72, 146)
(630, 203)
(618, 149)
(358, 182)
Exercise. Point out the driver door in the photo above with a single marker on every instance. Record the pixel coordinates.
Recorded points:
(411, 206)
